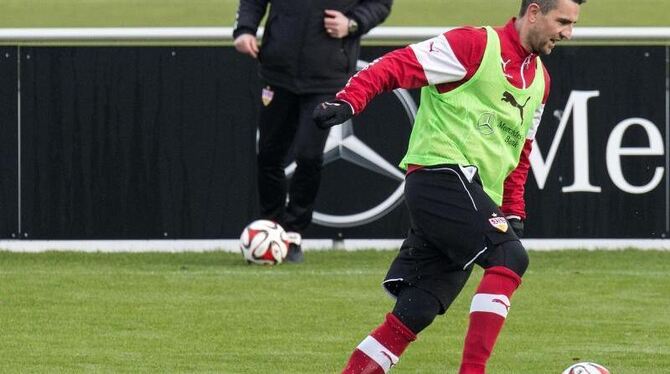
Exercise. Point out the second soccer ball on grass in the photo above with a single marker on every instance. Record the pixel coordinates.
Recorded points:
(264, 242)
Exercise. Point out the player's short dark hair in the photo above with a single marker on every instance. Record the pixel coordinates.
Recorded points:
(545, 5)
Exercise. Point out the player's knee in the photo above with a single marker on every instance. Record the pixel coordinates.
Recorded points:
(515, 257)
(415, 319)
(416, 308)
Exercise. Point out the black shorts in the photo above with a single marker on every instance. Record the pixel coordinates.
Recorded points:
(454, 224)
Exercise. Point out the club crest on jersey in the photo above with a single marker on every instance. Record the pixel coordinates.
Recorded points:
(500, 223)
(267, 95)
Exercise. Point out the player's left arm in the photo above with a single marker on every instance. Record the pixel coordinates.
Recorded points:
(514, 204)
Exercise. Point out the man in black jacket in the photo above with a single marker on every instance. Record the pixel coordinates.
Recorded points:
(309, 51)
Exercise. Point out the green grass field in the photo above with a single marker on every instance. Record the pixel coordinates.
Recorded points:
(212, 313)
(66, 312)
(117, 13)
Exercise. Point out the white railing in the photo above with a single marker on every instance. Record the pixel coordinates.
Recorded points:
(232, 245)
(225, 33)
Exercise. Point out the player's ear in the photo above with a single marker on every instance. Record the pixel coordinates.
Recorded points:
(532, 12)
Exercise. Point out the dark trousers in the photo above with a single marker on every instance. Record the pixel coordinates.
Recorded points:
(288, 133)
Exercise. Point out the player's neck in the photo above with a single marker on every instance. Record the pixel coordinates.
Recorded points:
(522, 29)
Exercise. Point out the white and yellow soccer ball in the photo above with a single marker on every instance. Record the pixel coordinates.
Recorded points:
(586, 368)
(264, 242)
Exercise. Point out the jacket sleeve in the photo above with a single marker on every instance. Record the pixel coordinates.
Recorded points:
(370, 13)
(249, 15)
(514, 203)
(396, 69)
(446, 58)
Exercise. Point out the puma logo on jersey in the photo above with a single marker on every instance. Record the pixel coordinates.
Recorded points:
(430, 48)
(507, 97)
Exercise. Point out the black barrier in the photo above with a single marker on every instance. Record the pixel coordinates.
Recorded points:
(613, 100)
(127, 143)
(9, 218)
(154, 142)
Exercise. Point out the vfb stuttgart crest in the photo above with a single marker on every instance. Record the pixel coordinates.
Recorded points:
(500, 223)
(266, 95)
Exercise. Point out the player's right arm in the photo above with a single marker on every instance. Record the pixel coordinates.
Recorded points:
(448, 58)
(446, 61)
(249, 15)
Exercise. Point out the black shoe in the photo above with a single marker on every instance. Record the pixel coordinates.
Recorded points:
(294, 242)
(294, 255)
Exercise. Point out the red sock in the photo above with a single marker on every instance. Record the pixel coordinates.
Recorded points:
(487, 315)
(377, 353)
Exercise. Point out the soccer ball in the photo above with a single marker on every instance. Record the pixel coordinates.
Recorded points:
(264, 242)
(586, 368)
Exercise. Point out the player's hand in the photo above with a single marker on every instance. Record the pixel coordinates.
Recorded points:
(331, 113)
(247, 44)
(516, 223)
(336, 24)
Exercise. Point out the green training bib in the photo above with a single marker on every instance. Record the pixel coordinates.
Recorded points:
(483, 123)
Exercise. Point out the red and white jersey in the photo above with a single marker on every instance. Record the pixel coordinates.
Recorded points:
(448, 61)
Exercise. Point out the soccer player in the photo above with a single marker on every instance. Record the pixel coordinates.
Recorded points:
(483, 94)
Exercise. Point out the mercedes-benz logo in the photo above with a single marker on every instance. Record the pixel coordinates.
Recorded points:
(485, 123)
(343, 144)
